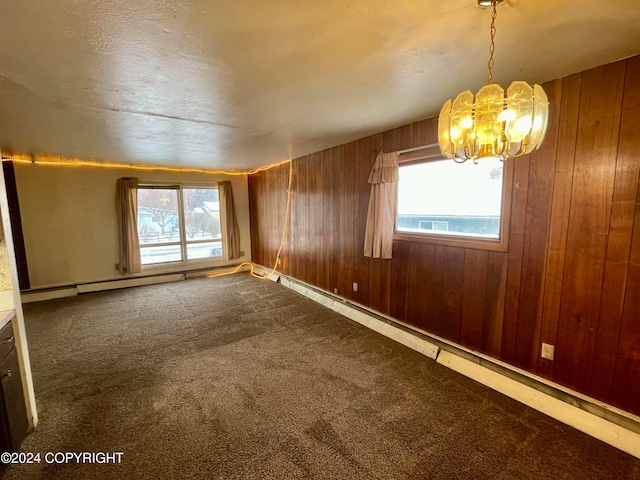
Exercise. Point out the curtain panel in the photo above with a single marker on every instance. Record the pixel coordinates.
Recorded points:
(127, 210)
(229, 222)
(383, 205)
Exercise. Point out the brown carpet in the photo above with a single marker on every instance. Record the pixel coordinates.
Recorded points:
(239, 378)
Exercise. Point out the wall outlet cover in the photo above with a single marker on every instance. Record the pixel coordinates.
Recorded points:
(547, 351)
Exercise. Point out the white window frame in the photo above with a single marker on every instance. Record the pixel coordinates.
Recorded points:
(183, 242)
(499, 244)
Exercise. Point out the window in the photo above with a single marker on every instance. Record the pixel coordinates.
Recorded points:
(441, 201)
(178, 224)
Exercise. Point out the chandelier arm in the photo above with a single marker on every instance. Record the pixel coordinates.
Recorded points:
(452, 149)
(500, 150)
(471, 150)
(523, 150)
(468, 152)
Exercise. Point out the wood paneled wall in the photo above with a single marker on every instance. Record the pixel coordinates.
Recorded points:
(570, 277)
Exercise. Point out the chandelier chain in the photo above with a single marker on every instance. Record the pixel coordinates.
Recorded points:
(492, 47)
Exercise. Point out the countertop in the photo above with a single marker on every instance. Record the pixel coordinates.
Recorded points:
(6, 316)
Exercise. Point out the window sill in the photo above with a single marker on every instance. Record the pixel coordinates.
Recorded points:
(454, 241)
(197, 263)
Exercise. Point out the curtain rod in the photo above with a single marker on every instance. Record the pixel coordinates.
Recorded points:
(414, 149)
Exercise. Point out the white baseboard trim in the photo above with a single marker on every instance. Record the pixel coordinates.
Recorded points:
(129, 282)
(112, 284)
(598, 426)
(29, 297)
(73, 291)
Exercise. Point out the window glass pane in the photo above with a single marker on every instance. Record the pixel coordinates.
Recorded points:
(161, 254)
(204, 250)
(201, 214)
(444, 197)
(158, 220)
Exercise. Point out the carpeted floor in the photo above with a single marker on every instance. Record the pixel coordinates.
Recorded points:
(239, 378)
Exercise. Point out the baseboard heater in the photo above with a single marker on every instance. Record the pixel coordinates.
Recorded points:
(116, 283)
(598, 419)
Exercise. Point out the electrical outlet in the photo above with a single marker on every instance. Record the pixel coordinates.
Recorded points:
(279, 261)
(355, 287)
(547, 351)
(335, 290)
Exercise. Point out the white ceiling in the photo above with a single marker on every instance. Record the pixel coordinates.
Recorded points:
(241, 84)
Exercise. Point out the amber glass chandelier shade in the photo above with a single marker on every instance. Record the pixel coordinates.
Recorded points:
(492, 123)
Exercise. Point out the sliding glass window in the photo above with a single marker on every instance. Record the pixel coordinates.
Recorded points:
(440, 201)
(178, 224)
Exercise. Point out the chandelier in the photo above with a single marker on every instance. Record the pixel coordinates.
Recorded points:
(492, 125)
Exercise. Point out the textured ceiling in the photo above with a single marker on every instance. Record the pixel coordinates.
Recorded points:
(241, 84)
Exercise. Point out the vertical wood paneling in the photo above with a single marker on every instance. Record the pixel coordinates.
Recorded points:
(377, 271)
(303, 190)
(439, 318)
(365, 159)
(386, 287)
(412, 295)
(561, 203)
(626, 385)
(453, 283)
(430, 131)
(336, 226)
(596, 150)
(348, 221)
(281, 196)
(292, 228)
(269, 214)
(401, 288)
(312, 214)
(474, 294)
(294, 232)
(537, 219)
(424, 285)
(494, 303)
(255, 192)
(375, 284)
(570, 276)
(321, 159)
(514, 263)
(406, 137)
(626, 388)
(416, 134)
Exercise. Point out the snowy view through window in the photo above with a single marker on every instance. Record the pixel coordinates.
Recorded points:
(443, 197)
(164, 212)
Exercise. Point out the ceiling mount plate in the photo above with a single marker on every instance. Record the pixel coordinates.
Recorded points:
(489, 3)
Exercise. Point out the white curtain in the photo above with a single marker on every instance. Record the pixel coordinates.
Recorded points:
(383, 200)
(127, 208)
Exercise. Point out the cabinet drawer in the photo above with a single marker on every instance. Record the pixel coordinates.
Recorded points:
(6, 340)
(15, 410)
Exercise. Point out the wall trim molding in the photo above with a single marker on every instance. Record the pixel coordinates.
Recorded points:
(72, 290)
(609, 424)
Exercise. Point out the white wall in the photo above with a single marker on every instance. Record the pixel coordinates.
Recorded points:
(69, 220)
